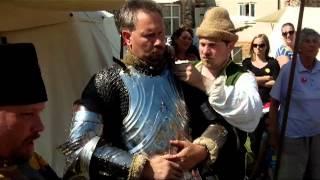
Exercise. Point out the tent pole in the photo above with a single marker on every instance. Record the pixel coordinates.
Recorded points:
(3, 40)
(121, 47)
(288, 98)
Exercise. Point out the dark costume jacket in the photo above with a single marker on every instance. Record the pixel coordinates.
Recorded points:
(36, 169)
(230, 163)
(131, 111)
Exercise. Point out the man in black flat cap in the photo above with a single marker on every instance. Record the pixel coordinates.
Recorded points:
(22, 99)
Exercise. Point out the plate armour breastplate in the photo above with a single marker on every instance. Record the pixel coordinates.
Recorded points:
(157, 112)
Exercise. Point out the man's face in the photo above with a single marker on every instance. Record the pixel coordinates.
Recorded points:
(19, 127)
(214, 54)
(310, 47)
(147, 40)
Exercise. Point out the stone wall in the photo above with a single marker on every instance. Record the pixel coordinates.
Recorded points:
(245, 48)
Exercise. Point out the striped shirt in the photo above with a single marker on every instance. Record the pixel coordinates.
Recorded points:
(284, 51)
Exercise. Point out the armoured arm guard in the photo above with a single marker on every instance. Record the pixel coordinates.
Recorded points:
(85, 133)
(213, 139)
(88, 156)
(215, 135)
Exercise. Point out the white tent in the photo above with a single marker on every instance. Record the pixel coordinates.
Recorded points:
(71, 47)
(165, 1)
(291, 15)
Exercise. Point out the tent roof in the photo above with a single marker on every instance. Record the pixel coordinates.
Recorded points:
(26, 14)
(71, 5)
(165, 1)
(271, 18)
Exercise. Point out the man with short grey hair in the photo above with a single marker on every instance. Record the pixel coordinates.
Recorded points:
(300, 156)
(132, 121)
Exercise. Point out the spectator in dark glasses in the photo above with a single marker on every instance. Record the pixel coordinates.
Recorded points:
(285, 52)
(266, 70)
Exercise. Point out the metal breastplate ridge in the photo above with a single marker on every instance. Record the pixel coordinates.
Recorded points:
(157, 112)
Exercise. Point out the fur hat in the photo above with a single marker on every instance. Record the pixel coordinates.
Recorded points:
(217, 24)
(20, 76)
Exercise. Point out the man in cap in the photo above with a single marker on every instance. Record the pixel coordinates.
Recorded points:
(22, 99)
(231, 91)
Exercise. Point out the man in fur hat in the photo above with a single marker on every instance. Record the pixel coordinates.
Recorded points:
(231, 91)
(22, 99)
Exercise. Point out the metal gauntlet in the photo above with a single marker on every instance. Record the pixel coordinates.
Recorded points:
(217, 133)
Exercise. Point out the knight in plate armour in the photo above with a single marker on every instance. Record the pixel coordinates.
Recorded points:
(132, 120)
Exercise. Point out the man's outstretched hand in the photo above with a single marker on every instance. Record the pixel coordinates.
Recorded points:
(188, 155)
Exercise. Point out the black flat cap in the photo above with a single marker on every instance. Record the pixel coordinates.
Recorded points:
(20, 75)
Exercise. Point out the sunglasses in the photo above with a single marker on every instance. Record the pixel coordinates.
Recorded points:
(286, 33)
(258, 45)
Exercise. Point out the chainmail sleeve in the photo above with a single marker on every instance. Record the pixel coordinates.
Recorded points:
(93, 149)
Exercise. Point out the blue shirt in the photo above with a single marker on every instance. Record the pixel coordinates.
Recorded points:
(304, 110)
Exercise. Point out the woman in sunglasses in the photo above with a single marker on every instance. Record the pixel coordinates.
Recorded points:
(266, 70)
(285, 52)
